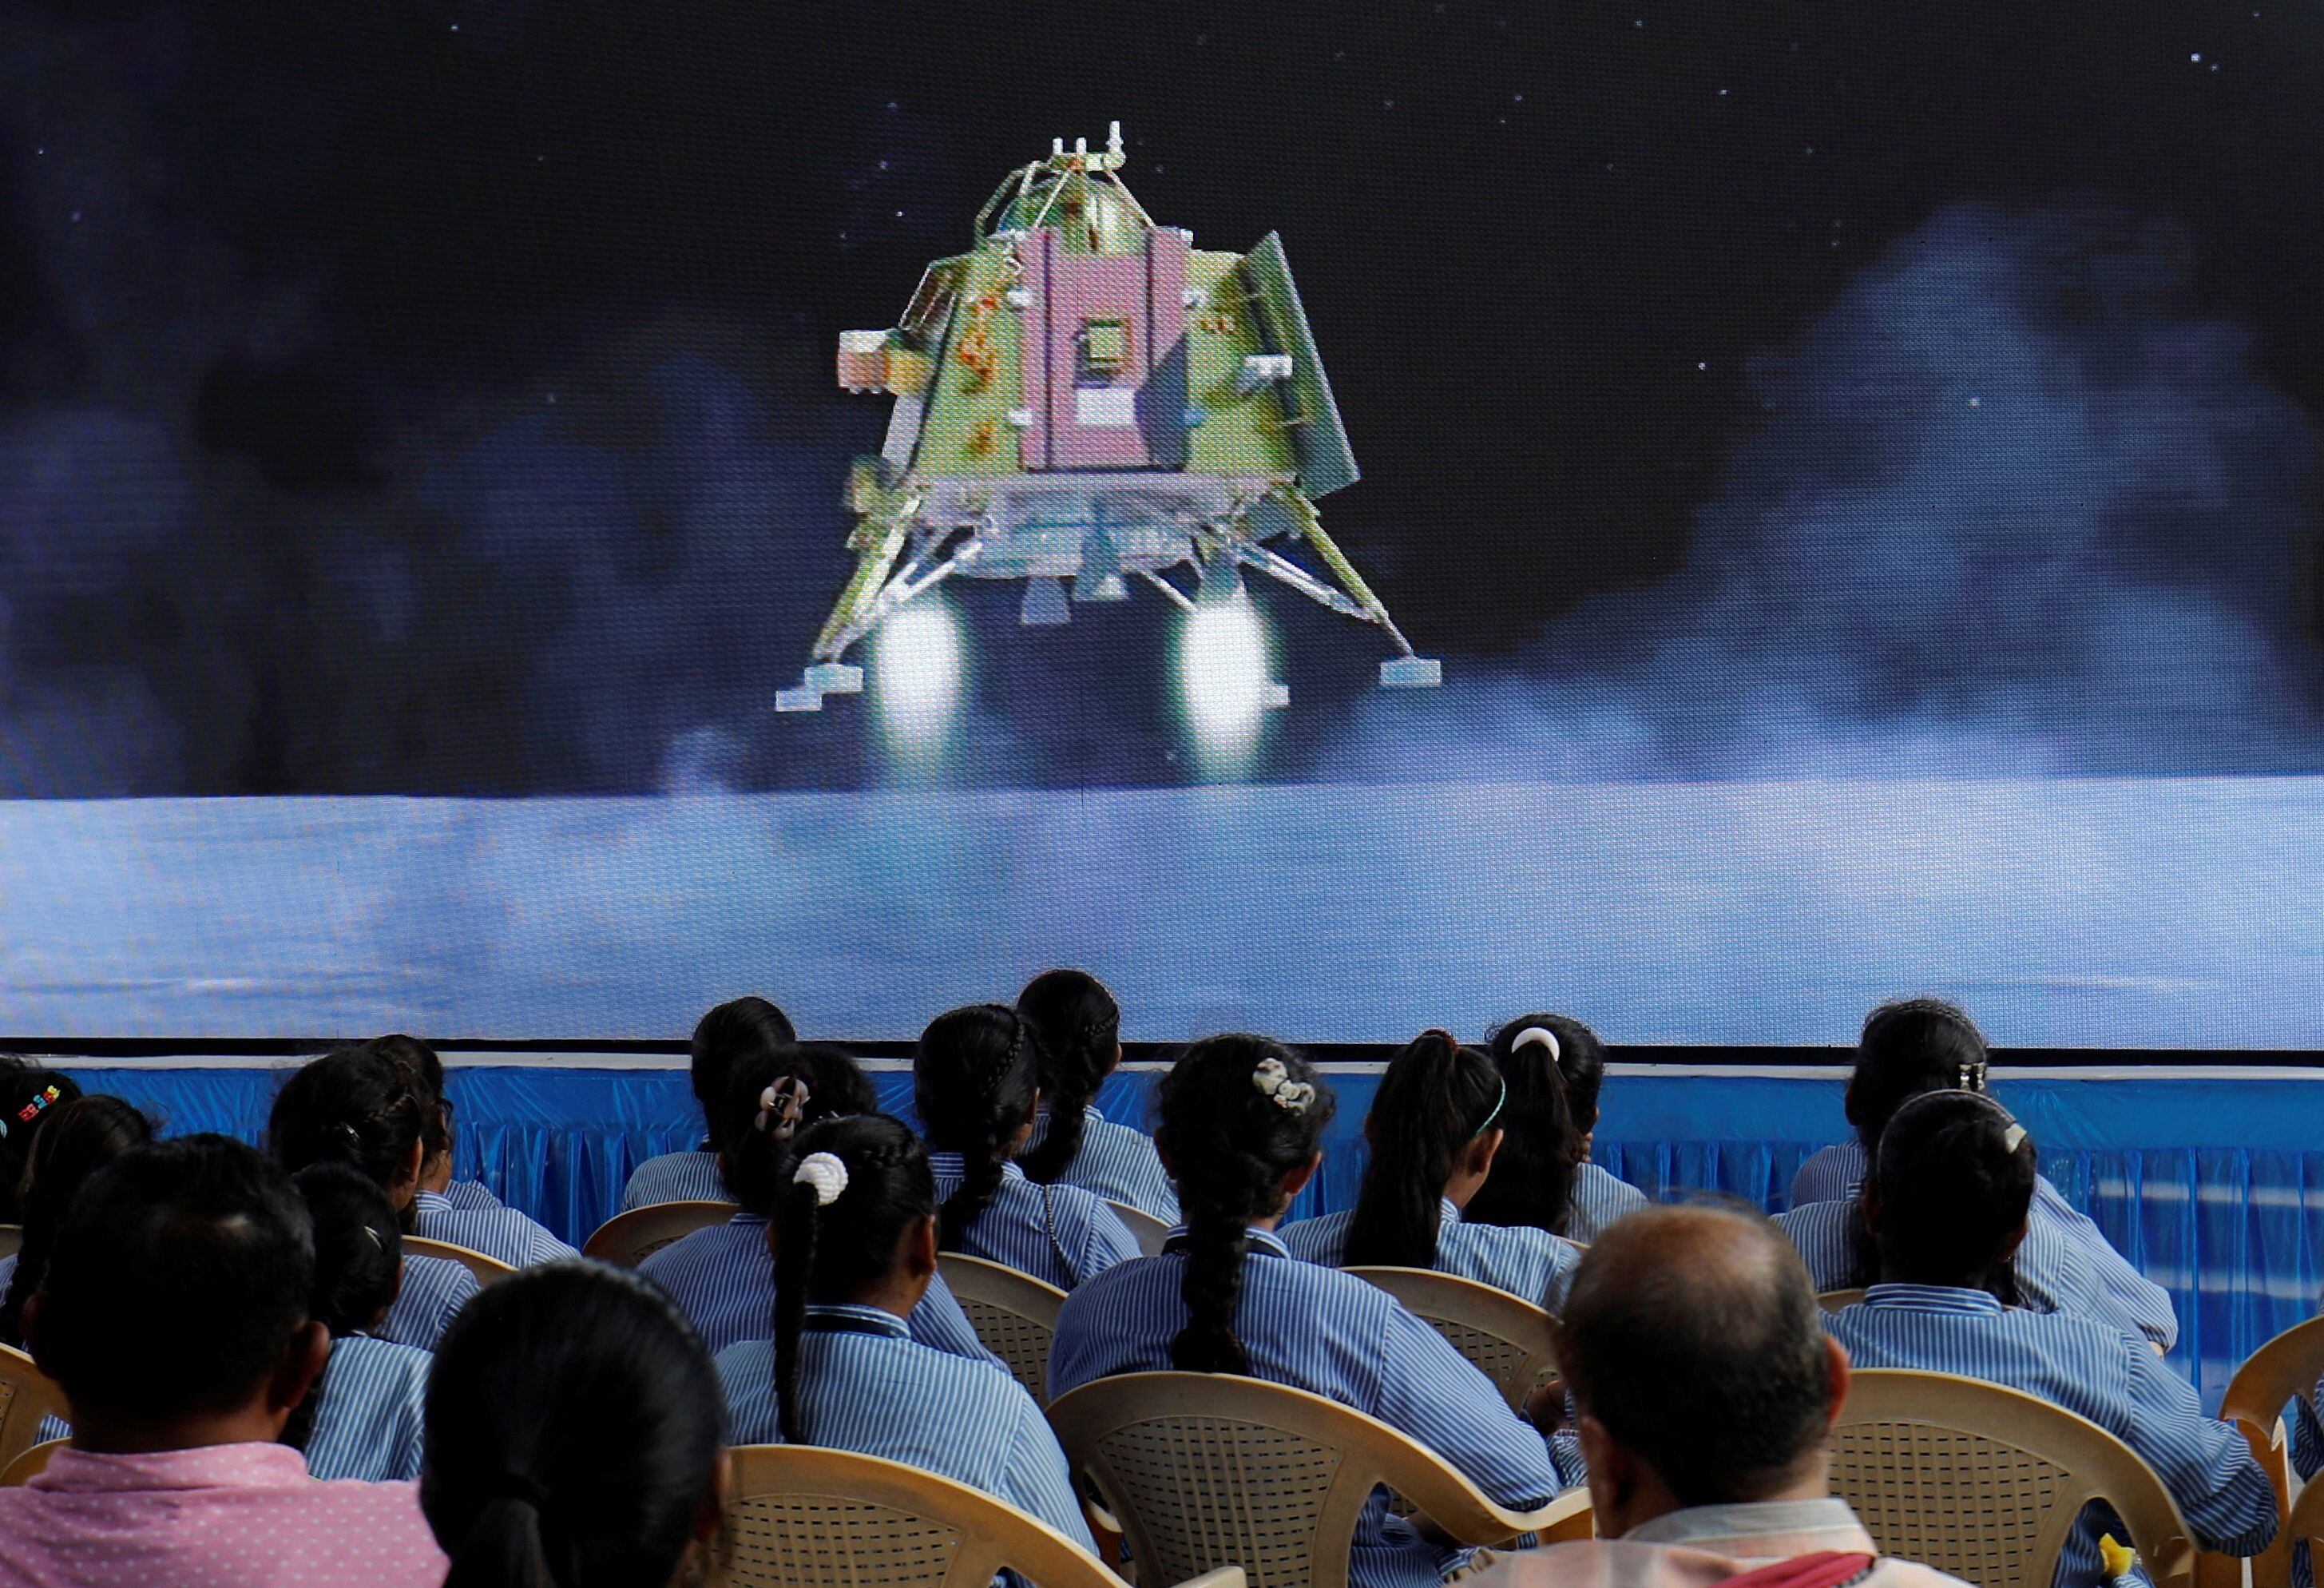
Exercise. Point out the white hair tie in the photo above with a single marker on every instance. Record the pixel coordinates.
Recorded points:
(2013, 1137)
(1537, 1037)
(1275, 1084)
(827, 1172)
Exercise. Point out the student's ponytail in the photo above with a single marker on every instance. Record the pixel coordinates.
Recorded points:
(1239, 1115)
(771, 1097)
(1077, 1026)
(1539, 1056)
(358, 1259)
(503, 1547)
(853, 1186)
(975, 1076)
(1435, 1099)
(78, 1139)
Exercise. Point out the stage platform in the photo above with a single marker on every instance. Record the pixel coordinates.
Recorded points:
(2209, 1177)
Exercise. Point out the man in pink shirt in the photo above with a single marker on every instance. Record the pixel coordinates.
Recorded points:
(1706, 1387)
(174, 1314)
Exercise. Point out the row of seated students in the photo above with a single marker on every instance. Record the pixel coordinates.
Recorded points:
(821, 1302)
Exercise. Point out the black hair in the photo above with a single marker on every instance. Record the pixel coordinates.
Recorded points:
(1230, 1146)
(357, 1106)
(1078, 1032)
(358, 1263)
(1532, 1182)
(25, 1105)
(827, 1253)
(178, 1282)
(80, 1138)
(974, 1078)
(1692, 1335)
(574, 1433)
(819, 1081)
(735, 1030)
(1435, 1099)
(1913, 1045)
(425, 1063)
(1950, 1193)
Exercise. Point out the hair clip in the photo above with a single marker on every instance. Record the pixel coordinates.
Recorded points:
(781, 1107)
(827, 1172)
(2013, 1137)
(1972, 1077)
(41, 1100)
(1276, 1084)
(1537, 1037)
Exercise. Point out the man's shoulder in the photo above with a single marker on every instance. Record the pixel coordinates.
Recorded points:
(1623, 1562)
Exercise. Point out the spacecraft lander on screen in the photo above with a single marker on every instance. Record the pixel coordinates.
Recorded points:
(1085, 397)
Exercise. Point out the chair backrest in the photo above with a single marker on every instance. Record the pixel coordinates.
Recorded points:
(1833, 1300)
(2305, 1525)
(628, 1239)
(11, 1240)
(799, 1517)
(1511, 1341)
(1985, 1483)
(26, 1395)
(30, 1465)
(1147, 1231)
(2282, 1371)
(1208, 1469)
(1015, 1314)
(487, 1267)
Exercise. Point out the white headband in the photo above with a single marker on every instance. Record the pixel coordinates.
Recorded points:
(1537, 1037)
(827, 1172)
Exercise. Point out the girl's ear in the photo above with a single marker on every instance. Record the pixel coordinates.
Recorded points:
(1483, 1149)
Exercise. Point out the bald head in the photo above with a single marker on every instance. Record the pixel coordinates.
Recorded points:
(1693, 1337)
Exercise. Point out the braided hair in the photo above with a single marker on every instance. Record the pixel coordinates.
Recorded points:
(80, 1138)
(358, 1264)
(1949, 1191)
(1549, 1061)
(1231, 1146)
(1435, 1099)
(832, 1245)
(29, 1093)
(975, 1078)
(427, 1066)
(356, 1106)
(754, 1136)
(1077, 1028)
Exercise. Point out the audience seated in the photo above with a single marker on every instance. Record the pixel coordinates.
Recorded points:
(735, 1030)
(1705, 1392)
(1434, 1132)
(1077, 1037)
(174, 1315)
(574, 1437)
(976, 1084)
(723, 1277)
(1947, 1205)
(436, 1167)
(1924, 1045)
(856, 1252)
(29, 1094)
(1241, 1122)
(362, 1417)
(77, 1139)
(1554, 1067)
(363, 1109)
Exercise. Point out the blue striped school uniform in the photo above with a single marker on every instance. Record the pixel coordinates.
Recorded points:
(7, 1272)
(1530, 1264)
(2128, 1298)
(1317, 1329)
(1598, 1199)
(470, 1194)
(496, 1232)
(2107, 1375)
(722, 1279)
(1117, 1164)
(51, 1427)
(435, 1288)
(369, 1419)
(1059, 1233)
(676, 1177)
(866, 1385)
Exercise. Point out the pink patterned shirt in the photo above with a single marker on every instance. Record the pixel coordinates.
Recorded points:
(222, 1516)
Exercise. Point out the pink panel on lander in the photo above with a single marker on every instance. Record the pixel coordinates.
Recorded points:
(1086, 417)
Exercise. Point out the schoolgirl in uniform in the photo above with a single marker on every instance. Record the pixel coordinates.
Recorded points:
(436, 1166)
(976, 1085)
(735, 1030)
(364, 1415)
(1077, 1037)
(1554, 1067)
(1433, 1131)
(76, 1138)
(856, 1250)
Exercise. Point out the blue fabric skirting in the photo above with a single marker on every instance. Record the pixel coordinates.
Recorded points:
(2212, 1183)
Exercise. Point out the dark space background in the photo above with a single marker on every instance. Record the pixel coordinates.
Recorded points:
(435, 398)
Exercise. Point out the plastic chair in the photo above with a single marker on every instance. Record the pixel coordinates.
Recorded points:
(26, 1395)
(2282, 1371)
(1833, 1300)
(30, 1465)
(1985, 1483)
(1147, 1231)
(11, 1240)
(1511, 1341)
(2305, 1525)
(1015, 1314)
(797, 1516)
(485, 1267)
(1202, 1469)
(628, 1239)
